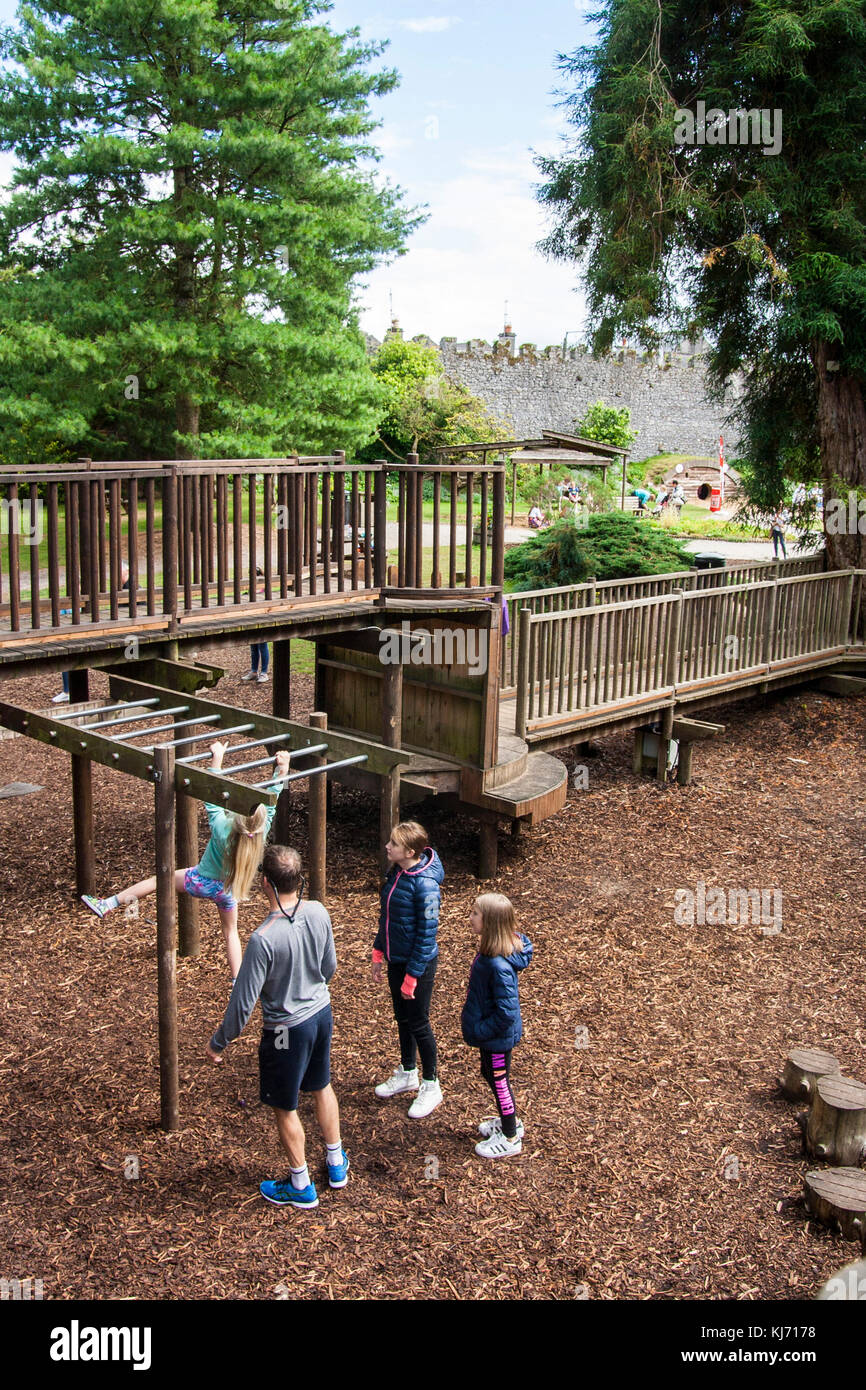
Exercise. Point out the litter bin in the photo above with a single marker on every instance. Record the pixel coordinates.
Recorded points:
(715, 499)
(707, 560)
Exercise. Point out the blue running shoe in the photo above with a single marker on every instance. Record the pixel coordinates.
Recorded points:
(283, 1194)
(338, 1173)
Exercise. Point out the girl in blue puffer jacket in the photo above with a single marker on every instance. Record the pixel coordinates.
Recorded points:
(406, 940)
(491, 1015)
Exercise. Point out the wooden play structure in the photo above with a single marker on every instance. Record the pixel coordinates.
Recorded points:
(429, 681)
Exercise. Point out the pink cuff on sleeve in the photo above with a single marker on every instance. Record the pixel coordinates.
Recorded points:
(407, 989)
(378, 956)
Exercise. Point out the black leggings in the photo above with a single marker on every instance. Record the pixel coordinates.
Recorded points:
(413, 1018)
(496, 1069)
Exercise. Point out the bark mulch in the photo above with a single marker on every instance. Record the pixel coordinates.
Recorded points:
(659, 1159)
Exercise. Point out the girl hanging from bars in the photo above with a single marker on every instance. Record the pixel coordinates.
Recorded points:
(227, 868)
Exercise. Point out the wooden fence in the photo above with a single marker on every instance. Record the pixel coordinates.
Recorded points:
(594, 592)
(580, 659)
(115, 542)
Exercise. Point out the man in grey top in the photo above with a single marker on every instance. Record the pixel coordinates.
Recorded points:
(287, 964)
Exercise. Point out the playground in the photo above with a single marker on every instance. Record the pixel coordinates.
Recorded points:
(659, 1160)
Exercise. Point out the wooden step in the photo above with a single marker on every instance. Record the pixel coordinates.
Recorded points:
(512, 754)
(538, 792)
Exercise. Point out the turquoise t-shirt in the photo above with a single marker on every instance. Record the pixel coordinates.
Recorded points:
(221, 822)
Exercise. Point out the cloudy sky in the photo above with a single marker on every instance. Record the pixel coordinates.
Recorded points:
(475, 100)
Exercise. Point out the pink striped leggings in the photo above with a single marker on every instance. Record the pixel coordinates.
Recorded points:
(496, 1068)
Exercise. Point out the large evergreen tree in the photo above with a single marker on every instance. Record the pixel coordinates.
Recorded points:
(192, 200)
(762, 243)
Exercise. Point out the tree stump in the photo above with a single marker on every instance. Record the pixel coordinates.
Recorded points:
(837, 1196)
(803, 1067)
(848, 1284)
(836, 1130)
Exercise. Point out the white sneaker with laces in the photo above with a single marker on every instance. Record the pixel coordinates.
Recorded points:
(397, 1082)
(61, 699)
(250, 676)
(262, 678)
(494, 1126)
(497, 1146)
(428, 1097)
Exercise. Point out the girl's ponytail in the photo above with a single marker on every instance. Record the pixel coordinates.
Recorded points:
(243, 852)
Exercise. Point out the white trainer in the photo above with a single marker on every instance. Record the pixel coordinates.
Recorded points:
(250, 676)
(397, 1082)
(428, 1097)
(491, 1127)
(497, 1146)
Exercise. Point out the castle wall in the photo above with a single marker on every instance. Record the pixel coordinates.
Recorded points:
(550, 389)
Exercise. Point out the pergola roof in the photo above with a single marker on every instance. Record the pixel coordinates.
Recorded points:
(552, 444)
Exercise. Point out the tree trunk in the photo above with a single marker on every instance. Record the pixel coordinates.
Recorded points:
(842, 437)
(185, 406)
(836, 1131)
(802, 1069)
(837, 1196)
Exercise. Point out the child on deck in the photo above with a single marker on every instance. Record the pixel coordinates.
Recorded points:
(227, 868)
(491, 1015)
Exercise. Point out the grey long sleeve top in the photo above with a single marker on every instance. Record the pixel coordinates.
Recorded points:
(287, 965)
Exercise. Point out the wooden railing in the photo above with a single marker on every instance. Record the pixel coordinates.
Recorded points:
(465, 509)
(117, 543)
(594, 592)
(579, 659)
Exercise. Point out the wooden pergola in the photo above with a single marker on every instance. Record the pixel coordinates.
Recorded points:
(552, 448)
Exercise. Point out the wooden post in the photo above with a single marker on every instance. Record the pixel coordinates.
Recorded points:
(380, 525)
(166, 938)
(282, 709)
(498, 558)
(169, 544)
(524, 629)
(317, 819)
(684, 766)
(392, 733)
(487, 849)
(188, 920)
(82, 798)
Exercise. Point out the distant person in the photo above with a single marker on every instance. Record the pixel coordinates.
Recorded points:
(777, 534)
(642, 494)
(491, 1019)
(288, 964)
(678, 497)
(536, 517)
(259, 653)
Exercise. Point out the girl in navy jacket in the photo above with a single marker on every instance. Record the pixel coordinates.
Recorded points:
(406, 940)
(491, 1015)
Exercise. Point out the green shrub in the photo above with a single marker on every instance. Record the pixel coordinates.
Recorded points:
(612, 545)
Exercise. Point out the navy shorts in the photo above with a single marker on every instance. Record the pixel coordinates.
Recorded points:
(295, 1059)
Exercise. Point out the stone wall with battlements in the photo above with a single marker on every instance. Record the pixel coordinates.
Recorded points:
(532, 389)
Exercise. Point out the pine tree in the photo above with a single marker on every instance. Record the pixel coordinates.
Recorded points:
(758, 241)
(192, 202)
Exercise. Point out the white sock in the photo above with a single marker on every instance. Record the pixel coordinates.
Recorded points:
(300, 1178)
(112, 902)
(335, 1153)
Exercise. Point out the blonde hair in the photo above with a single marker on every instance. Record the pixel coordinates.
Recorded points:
(497, 924)
(410, 835)
(243, 852)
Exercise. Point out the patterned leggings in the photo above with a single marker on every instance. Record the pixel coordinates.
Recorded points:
(495, 1068)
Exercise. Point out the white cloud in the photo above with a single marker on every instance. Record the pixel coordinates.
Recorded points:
(476, 252)
(433, 24)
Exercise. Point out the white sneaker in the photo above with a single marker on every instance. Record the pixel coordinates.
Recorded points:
(490, 1127)
(61, 699)
(398, 1081)
(428, 1097)
(250, 676)
(262, 678)
(497, 1146)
